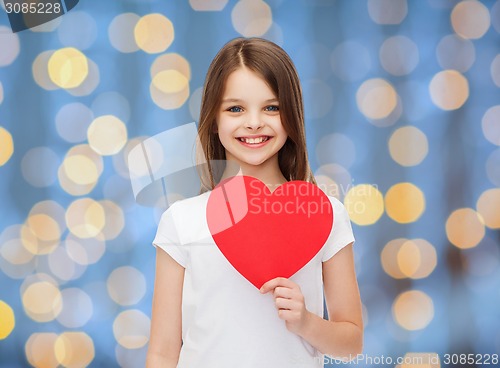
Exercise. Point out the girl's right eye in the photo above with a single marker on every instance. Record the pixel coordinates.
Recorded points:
(234, 109)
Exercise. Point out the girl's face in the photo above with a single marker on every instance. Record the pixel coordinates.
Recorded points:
(248, 120)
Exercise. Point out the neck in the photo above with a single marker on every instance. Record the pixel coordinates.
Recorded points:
(268, 172)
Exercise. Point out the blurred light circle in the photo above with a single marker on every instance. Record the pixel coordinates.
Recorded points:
(121, 32)
(39, 350)
(153, 151)
(408, 258)
(488, 206)
(72, 122)
(69, 185)
(154, 33)
(454, 52)
(74, 349)
(50, 208)
(336, 148)
(274, 34)
(470, 19)
(495, 20)
(390, 119)
(77, 308)
(465, 228)
(10, 46)
(42, 301)
(85, 251)
(6, 146)
(13, 250)
(89, 84)
(85, 218)
(387, 11)
(170, 81)
(251, 18)
(62, 266)
(33, 243)
(350, 61)
(208, 5)
(318, 98)
(44, 226)
(408, 146)
(39, 166)
(364, 203)
(7, 320)
(171, 61)
(195, 103)
(115, 219)
(107, 135)
(126, 285)
(399, 55)
(80, 169)
(493, 167)
(417, 258)
(449, 90)
(168, 101)
(68, 67)
(491, 125)
(376, 98)
(413, 310)
(120, 160)
(495, 70)
(130, 358)
(404, 202)
(70, 31)
(389, 258)
(111, 103)
(40, 70)
(131, 329)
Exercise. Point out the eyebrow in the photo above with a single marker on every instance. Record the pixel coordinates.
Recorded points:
(239, 100)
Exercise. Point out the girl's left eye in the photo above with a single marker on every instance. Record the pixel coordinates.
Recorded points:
(234, 109)
(272, 108)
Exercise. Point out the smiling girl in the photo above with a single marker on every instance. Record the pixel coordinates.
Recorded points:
(205, 314)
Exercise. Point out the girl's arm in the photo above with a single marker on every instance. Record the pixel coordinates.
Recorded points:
(342, 335)
(166, 317)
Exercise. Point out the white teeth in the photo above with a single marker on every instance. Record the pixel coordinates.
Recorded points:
(254, 140)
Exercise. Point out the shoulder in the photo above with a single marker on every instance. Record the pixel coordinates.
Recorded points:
(337, 205)
(189, 206)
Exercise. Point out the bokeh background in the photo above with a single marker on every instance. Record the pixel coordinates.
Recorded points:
(402, 108)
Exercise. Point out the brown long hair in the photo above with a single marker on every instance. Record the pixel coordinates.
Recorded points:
(274, 65)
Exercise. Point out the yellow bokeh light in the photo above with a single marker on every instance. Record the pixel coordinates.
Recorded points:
(449, 89)
(39, 350)
(131, 329)
(251, 18)
(115, 219)
(408, 258)
(491, 125)
(69, 185)
(364, 203)
(404, 202)
(169, 101)
(470, 19)
(80, 169)
(408, 146)
(208, 5)
(413, 310)
(74, 349)
(172, 61)
(6, 146)
(488, 206)
(85, 251)
(44, 227)
(154, 33)
(89, 84)
(36, 245)
(170, 81)
(42, 301)
(85, 218)
(7, 320)
(465, 228)
(376, 98)
(68, 67)
(107, 135)
(121, 32)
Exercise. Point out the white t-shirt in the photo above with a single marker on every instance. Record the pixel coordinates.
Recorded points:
(226, 321)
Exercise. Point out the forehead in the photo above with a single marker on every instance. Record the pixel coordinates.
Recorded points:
(246, 84)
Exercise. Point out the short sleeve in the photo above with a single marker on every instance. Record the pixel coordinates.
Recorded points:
(167, 237)
(341, 234)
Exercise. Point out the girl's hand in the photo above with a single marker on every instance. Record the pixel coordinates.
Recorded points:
(289, 301)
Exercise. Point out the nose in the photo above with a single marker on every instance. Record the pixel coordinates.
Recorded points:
(253, 122)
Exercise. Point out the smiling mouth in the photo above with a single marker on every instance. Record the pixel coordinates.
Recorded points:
(256, 140)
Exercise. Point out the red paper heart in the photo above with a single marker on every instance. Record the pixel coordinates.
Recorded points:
(266, 235)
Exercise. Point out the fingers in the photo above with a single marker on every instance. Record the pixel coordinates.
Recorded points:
(278, 281)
